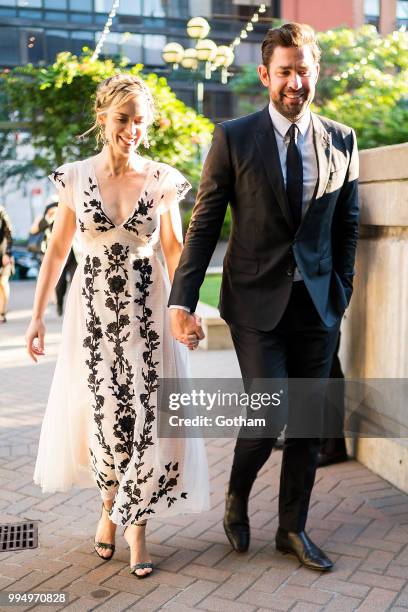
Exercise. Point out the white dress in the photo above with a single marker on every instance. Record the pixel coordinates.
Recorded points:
(100, 421)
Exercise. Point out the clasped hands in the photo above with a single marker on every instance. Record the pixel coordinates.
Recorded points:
(186, 327)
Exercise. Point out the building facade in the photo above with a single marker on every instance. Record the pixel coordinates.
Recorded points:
(36, 30)
(386, 15)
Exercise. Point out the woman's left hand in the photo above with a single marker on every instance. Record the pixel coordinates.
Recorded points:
(192, 341)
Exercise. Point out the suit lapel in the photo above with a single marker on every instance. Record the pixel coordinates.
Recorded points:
(268, 148)
(323, 146)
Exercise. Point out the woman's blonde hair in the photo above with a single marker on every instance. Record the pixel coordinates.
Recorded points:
(115, 91)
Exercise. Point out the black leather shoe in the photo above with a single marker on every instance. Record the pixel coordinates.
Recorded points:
(301, 545)
(236, 522)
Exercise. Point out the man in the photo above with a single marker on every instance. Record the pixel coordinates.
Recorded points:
(290, 177)
(6, 262)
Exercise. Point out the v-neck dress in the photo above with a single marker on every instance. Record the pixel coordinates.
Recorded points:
(100, 421)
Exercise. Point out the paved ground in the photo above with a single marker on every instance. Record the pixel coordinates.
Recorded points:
(361, 520)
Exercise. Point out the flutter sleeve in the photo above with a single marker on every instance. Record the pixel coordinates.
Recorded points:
(174, 188)
(62, 179)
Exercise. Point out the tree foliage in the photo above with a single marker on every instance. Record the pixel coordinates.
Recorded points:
(55, 103)
(363, 83)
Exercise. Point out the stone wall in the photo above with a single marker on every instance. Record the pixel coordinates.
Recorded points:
(375, 328)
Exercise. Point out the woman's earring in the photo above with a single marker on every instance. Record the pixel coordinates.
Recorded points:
(145, 142)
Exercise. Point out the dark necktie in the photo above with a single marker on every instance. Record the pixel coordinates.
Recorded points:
(294, 176)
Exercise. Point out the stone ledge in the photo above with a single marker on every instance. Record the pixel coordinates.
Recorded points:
(384, 163)
(385, 203)
(217, 334)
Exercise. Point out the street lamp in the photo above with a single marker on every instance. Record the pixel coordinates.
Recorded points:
(206, 54)
(173, 54)
(198, 27)
(223, 59)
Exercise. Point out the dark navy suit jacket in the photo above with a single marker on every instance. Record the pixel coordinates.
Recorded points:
(243, 168)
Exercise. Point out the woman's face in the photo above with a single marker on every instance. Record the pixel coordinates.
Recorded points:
(126, 125)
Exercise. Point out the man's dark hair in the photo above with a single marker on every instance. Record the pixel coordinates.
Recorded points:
(289, 35)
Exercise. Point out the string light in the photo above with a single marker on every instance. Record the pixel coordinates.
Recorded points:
(244, 32)
(106, 30)
(249, 26)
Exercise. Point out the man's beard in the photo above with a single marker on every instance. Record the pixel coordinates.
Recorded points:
(292, 112)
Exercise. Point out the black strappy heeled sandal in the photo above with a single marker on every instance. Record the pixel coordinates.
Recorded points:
(104, 545)
(140, 566)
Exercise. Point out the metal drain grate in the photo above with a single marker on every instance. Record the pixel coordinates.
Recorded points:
(19, 536)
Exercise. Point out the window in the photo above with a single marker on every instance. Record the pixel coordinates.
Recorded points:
(131, 47)
(372, 7)
(130, 7)
(60, 5)
(81, 39)
(80, 5)
(9, 46)
(55, 16)
(32, 46)
(80, 17)
(245, 11)
(218, 105)
(402, 13)
(7, 2)
(153, 46)
(29, 4)
(372, 12)
(56, 41)
(247, 53)
(28, 14)
(103, 6)
(153, 8)
(112, 43)
(223, 7)
(176, 9)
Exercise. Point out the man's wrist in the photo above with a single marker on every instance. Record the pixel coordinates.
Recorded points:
(179, 307)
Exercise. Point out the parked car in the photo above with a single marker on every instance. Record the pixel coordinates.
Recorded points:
(26, 264)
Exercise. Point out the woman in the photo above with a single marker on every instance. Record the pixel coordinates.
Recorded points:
(6, 262)
(116, 344)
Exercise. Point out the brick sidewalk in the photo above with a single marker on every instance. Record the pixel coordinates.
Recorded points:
(359, 519)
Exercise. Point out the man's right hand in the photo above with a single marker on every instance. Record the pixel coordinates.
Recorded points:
(186, 327)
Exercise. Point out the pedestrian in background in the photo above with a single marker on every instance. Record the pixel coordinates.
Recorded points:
(40, 231)
(6, 262)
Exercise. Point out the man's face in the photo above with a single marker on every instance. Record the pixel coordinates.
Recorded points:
(291, 79)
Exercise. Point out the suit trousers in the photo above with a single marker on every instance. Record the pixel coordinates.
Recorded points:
(300, 346)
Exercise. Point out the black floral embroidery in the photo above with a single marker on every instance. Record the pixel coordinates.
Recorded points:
(81, 225)
(141, 210)
(156, 175)
(92, 269)
(181, 189)
(56, 176)
(133, 510)
(94, 206)
(117, 332)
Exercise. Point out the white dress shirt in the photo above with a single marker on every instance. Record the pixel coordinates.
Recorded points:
(307, 151)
